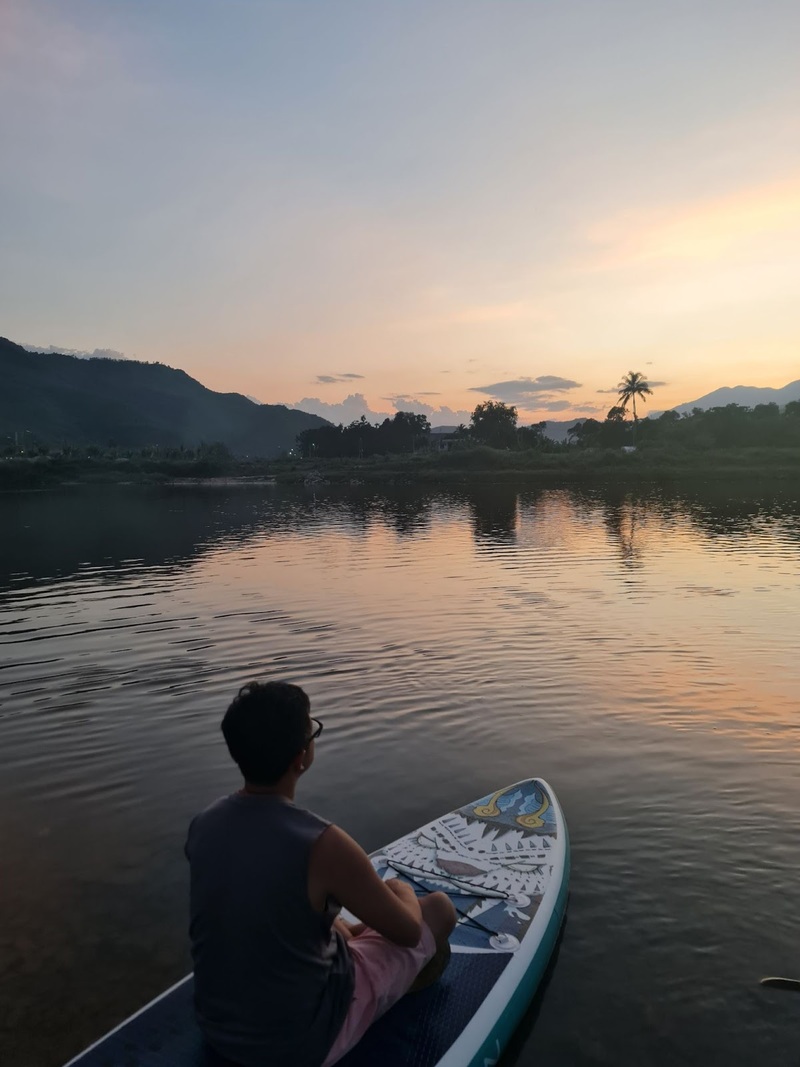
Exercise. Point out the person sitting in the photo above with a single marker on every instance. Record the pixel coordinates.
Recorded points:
(279, 977)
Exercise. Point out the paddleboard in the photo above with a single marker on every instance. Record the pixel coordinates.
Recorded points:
(504, 861)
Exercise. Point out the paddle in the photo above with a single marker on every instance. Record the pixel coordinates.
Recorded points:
(792, 985)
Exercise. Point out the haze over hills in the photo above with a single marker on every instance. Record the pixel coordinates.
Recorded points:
(60, 398)
(97, 353)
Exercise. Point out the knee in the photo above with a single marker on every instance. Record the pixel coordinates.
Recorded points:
(439, 913)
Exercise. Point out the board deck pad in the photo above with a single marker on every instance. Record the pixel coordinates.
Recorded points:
(421, 1027)
(504, 861)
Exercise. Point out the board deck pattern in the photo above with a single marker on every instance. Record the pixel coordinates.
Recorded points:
(494, 857)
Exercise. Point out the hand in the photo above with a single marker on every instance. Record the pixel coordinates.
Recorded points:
(401, 889)
(343, 927)
(348, 930)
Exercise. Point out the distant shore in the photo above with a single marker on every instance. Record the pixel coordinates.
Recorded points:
(477, 465)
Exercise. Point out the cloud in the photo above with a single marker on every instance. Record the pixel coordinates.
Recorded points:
(346, 411)
(98, 353)
(331, 379)
(355, 405)
(532, 393)
(589, 409)
(436, 415)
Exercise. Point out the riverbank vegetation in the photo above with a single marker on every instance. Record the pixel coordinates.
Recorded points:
(726, 442)
(552, 465)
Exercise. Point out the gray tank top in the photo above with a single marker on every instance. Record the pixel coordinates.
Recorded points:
(273, 980)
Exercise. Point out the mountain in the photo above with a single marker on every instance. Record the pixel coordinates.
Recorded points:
(557, 431)
(745, 395)
(60, 398)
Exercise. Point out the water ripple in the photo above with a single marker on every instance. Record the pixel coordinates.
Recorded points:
(638, 650)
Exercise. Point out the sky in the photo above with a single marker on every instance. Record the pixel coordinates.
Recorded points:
(369, 207)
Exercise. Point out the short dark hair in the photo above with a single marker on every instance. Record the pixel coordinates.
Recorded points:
(265, 727)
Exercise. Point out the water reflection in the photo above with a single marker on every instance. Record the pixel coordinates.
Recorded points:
(406, 510)
(59, 535)
(495, 514)
(638, 648)
(52, 535)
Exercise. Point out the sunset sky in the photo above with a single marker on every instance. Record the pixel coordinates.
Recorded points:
(411, 204)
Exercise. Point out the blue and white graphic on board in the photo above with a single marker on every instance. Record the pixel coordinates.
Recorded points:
(493, 857)
(504, 862)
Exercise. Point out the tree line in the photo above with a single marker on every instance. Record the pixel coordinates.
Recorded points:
(729, 426)
(406, 432)
(29, 446)
(492, 423)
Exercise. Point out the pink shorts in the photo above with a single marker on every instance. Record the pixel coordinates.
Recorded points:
(383, 974)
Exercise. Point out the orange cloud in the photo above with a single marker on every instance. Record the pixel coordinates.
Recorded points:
(705, 230)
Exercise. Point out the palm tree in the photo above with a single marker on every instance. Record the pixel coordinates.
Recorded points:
(632, 385)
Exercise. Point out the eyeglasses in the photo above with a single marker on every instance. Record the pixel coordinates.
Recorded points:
(315, 733)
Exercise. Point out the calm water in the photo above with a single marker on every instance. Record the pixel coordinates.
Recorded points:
(639, 652)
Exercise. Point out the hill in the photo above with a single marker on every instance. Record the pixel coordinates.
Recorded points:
(745, 395)
(557, 430)
(64, 399)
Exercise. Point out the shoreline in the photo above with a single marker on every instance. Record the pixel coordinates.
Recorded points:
(477, 466)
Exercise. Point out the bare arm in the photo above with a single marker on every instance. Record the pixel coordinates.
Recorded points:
(340, 868)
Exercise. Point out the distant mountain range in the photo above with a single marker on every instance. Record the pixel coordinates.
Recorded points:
(85, 399)
(747, 396)
(59, 398)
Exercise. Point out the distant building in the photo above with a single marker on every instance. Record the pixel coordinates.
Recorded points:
(441, 438)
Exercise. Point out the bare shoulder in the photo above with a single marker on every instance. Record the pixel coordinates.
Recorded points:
(335, 858)
(335, 852)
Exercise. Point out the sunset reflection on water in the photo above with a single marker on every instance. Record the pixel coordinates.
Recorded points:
(637, 650)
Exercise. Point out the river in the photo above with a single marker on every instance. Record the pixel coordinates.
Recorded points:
(640, 651)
